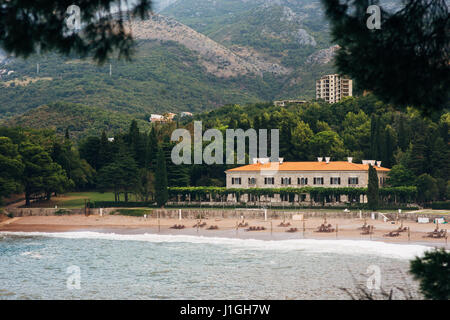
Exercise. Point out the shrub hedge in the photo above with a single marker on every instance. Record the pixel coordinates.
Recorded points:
(440, 205)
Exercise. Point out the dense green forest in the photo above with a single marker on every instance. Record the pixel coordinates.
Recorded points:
(40, 163)
(81, 120)
(416, 149)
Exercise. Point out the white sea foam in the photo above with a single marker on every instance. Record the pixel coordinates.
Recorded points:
(349, 247)
(32, 254)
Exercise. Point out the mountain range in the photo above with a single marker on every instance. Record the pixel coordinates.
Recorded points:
(192, 55)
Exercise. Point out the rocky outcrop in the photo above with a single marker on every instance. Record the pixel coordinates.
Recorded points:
(216, 58)
(304, 38)
(323, 56)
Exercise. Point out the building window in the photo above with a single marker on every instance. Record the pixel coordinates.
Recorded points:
(302, 181)
(353, 180)
(318, 180)
(269, 180)
(251, 180)
(235, 180)
(285, 181)
(334, 180)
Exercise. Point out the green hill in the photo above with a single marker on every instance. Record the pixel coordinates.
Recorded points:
(226, 52)
(81, 120)
(162, 77)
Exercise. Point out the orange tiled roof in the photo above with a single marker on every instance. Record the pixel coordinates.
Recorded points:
(307, 166)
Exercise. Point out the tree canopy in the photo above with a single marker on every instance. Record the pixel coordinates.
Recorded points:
(38, 26)
(356, 127)
(40, 164)
(406, 61)
(11, 168)
(433, 272)
(373, 195)
(162, 193)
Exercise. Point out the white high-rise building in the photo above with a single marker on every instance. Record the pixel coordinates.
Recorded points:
(333, 87)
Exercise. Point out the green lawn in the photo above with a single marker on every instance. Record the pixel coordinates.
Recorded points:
(74, 200)
(134, 212)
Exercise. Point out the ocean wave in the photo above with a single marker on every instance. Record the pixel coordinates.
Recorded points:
(32, 254)
(349, 247)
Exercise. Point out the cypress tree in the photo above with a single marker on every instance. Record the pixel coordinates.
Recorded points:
(373, 136)
(152, 148)
(378, 141)
(177, 175)
(161, 191)
(137, 144)
(419, 158)
(402, 135)
(256, 123)
(372, 190)
(133, 134)
(440, 159)
(104, 152)
(388, 147)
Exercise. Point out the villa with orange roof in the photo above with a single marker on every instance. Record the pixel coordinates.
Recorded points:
(321, 173)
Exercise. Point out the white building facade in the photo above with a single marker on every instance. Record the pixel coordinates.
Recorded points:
(333, 87)
(321, 173)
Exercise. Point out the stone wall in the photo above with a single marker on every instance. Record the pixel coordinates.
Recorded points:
(224, 214)
(26, 212)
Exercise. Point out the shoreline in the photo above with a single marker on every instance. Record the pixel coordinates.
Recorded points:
(348, 229)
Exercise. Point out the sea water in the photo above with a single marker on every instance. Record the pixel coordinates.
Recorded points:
(152, 266)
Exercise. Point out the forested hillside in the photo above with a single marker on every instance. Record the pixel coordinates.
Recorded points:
(81, 121)
(416, 148)
(236, 52)
(163, 78)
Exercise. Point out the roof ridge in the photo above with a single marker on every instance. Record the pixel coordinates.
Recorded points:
(307, 166)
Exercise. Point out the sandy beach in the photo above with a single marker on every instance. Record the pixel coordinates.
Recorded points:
(346, 228)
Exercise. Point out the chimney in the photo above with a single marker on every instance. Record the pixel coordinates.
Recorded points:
(327, 159)
(371, 162)
(349, 159)
(319, 159)
(378, 164)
